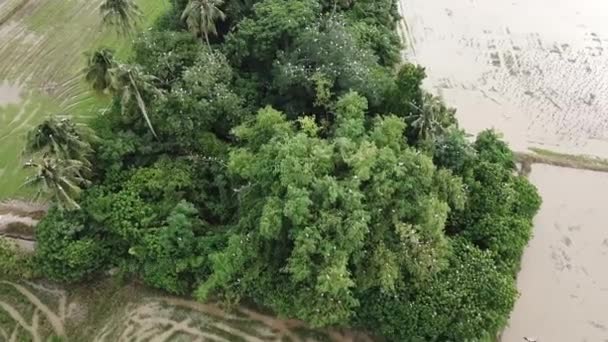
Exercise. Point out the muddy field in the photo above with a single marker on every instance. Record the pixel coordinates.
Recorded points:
(113, 312)
(537, 70)
(563, 281)
(42, 45)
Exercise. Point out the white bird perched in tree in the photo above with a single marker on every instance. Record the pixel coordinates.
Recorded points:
(530, 339)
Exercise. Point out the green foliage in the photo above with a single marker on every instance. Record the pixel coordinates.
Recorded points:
(60, 179)
(145, 197)
(330, 50)
(124, 214)
(272, 28)
(200, 103)
(500, 205)
(61, 137)
(66, 249)
(328, 215)
(201, 16)
(60, 150)
(528, 201)
(405, 97)
(376, 12)
(453, 151)
(131, 84)
(379, 39)
(432, 119)
(492, 149)
(166, 54)
(122, 14)
(15, 263)
(97, 70)
(173, 258)
(113, 148)
(373, 22)
(236, 10)
(468, 300)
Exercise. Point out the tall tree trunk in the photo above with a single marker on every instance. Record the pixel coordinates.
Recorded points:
(142, 105)
(207, 39)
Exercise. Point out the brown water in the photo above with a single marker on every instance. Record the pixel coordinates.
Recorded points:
(563, 281)
(536, 69)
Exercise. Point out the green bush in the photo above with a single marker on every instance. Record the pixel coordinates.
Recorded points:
(66, 250)
(468, 300)
(15, 263)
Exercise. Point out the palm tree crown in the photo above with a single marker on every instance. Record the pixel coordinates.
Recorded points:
(122, 14)
(105, 73)
(128, 82)
(433, 118)
(200, 16)
(61, 137)
(59, 178)
(97, 70)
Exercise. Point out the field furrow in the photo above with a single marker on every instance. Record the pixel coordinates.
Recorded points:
(42, 46)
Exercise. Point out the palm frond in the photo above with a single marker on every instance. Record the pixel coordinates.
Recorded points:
(58, 178)
(97, 70)
(122, 14)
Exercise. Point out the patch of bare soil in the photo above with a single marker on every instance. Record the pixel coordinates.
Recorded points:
(175, 319)
(18, 220)
(9, 94)
(34, 312)
(33, 210)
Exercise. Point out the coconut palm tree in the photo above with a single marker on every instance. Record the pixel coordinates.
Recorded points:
(122, 14)
(59, 178)
(97, 70)
(432, 118)
(200, 16)
(106, 74)
(128, 82)
(62, 138)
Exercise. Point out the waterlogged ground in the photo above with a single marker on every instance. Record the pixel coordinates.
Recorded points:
(108, 312)
(563, 281)
(537, 70)
(42, 43)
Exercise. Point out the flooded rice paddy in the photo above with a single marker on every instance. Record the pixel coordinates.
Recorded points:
(537, 70)
(563, 281)
(42, 47)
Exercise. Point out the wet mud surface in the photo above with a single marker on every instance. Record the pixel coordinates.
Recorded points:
(537, 70)
(563, 282)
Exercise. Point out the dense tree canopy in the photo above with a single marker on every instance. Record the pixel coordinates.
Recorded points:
(339, 213)
(290, 162)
